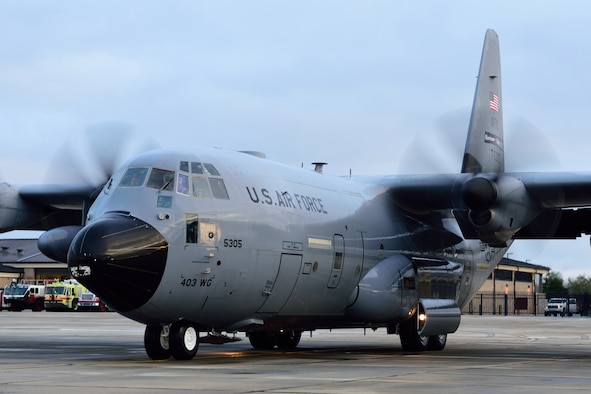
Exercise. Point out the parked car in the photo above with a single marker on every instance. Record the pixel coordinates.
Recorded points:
(90, 302)
(561, 306)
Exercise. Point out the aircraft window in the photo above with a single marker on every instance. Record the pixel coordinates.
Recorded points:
(196, 168)
(338, 261)
(161, 179)
(134, 177)
(164, 201)
(218, 188)
(200, 187)
(210, 169)
(184, 166)
(183, 184)
(192, 221)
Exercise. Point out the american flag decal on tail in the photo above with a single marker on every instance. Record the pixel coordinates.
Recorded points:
(494, 102)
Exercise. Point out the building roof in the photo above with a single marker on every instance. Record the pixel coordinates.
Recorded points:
(21, 250)
(523, 266)
(16, 254)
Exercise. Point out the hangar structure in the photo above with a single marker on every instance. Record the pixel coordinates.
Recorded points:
(21, 259)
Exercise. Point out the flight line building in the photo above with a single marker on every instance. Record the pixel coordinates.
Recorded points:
(515, 286)
(21, 259)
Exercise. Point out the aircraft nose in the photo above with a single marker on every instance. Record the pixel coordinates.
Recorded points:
(120, 258)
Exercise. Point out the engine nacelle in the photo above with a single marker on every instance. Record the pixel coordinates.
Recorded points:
(438, 317)
(497, 208)
(55, 243)
(387, 293)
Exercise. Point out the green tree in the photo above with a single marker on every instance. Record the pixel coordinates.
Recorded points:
(581, 284)
(553, 283)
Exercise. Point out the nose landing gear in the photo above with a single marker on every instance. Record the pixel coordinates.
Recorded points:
(179, 340)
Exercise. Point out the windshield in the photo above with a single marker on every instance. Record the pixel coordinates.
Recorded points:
(161, 179)
(10, 290)
(201, 180)
(54, 290)
(134, 177)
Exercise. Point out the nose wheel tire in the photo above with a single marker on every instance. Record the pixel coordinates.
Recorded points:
(156, 342)
(184, 340)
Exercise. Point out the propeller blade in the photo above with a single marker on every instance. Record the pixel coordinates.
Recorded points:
(93, 155)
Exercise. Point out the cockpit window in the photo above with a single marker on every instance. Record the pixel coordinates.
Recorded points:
(200, 187)
(196, 168)
(182, 184)
(210, 169)
(204, 180)
(161, 179)
(218, 188)
(192, 221)
(134, 177)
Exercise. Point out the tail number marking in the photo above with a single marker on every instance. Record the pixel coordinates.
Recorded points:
(232, 243)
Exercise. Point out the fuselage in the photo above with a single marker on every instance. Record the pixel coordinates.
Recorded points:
(235, 240)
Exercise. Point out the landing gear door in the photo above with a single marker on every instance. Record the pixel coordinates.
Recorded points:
(338, 259)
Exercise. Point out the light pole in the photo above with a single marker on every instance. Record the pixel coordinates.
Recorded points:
(506, 300)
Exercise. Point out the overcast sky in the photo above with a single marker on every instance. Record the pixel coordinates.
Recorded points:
(375, 87)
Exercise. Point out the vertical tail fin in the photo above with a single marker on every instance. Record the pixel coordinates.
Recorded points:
(484, 150)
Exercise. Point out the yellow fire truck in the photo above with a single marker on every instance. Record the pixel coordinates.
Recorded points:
(63, 296)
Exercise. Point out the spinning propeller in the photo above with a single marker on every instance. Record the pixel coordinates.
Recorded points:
(89, 159)
(93, 155)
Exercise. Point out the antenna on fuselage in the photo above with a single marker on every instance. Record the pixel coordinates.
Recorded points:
(318, 166)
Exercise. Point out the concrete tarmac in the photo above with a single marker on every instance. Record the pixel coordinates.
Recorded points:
(93, 352)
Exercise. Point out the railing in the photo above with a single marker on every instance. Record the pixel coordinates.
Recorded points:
(506, 304)
(489, 303)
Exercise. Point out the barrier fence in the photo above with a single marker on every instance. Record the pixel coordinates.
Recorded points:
(506, 304)
(521, 303)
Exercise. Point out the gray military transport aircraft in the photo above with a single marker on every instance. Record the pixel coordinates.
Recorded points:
(207, 240)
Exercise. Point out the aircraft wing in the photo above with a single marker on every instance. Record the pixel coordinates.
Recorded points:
(42, 207)
(59, 196)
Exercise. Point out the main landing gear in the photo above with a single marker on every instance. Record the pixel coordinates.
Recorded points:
(413, 342)
(283, 339)
(179, 340)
